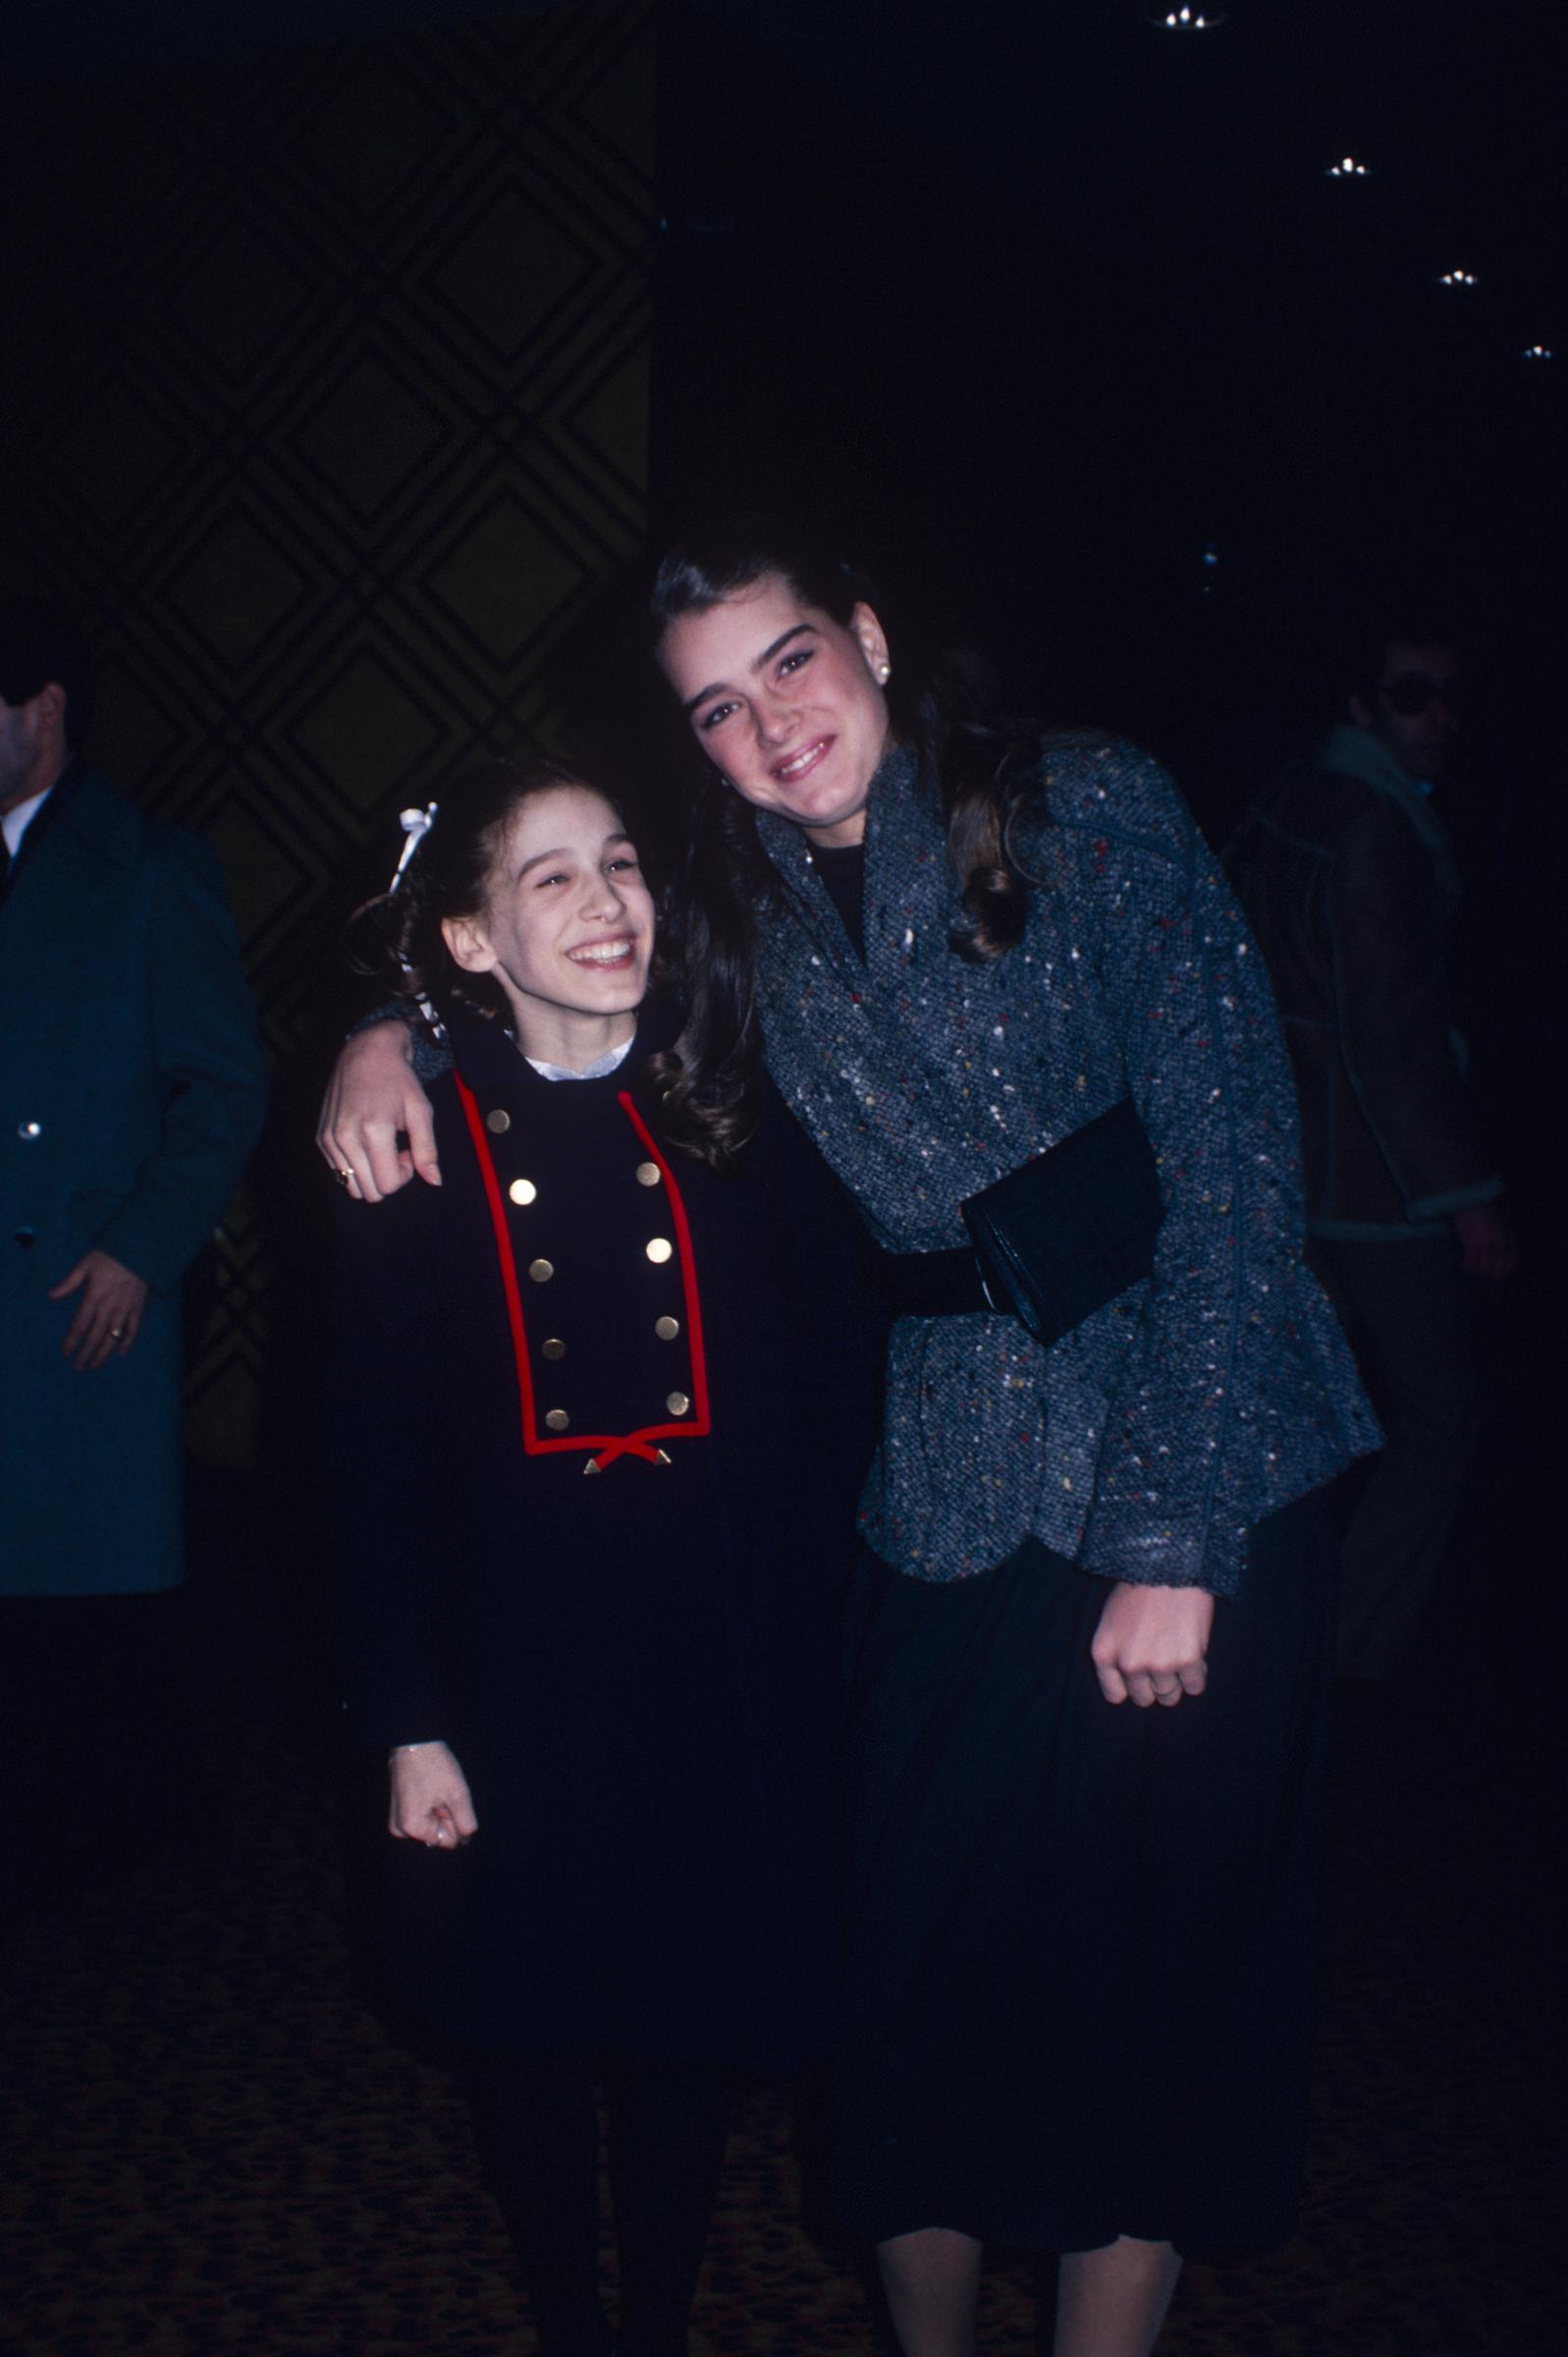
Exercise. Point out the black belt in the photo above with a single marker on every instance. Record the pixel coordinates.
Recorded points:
(931, 1285)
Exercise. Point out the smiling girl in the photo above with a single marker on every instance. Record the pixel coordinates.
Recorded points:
(594, 1540)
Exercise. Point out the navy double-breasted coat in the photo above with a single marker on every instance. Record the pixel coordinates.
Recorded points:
(599, 1417)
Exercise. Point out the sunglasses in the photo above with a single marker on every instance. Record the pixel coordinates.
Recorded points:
(1415, 694)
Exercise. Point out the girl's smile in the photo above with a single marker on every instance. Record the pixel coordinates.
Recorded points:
(567, 928)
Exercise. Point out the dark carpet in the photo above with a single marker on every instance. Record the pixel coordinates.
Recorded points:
(215, 2144)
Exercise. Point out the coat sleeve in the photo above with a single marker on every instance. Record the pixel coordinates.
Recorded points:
(207, 1051)
(429, 1055)
(1390, 1002)
(1234, 1345)
(383, 1401)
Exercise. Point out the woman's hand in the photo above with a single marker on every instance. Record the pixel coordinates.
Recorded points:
(372, 1096)
(1152, 1644)
(429, 1798)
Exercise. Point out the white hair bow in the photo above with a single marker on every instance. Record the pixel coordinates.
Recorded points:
(417, 825)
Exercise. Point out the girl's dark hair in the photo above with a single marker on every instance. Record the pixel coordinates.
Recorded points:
(396, 939)
(978, 769)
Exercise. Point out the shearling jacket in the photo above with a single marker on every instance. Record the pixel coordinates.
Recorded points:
(1148, 1441)
(1345, 871)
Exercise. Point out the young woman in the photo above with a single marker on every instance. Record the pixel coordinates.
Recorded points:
(594, 1535)
(1077, 1982)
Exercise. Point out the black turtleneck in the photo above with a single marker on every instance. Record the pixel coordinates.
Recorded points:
(844, 871)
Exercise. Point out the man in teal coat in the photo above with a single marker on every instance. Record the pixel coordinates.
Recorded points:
(132, 1089)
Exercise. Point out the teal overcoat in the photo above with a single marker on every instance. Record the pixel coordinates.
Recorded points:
(132, 1089)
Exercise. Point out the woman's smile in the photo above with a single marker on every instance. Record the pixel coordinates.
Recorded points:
(799, 765)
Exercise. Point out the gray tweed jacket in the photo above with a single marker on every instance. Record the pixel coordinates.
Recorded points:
(1148, 1442)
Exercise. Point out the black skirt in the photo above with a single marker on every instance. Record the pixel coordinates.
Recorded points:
(1079, 1940)
(648, 1744)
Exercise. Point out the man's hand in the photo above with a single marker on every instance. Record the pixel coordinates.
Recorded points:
(108, 1314)
(371, 1098)
(1152, 1644)
(1488, 1246)
(429, 1798)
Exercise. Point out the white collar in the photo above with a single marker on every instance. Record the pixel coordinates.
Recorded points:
(590, 1071)
(20, 818)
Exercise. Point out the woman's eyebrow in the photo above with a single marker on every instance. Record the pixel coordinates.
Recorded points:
(765, 656)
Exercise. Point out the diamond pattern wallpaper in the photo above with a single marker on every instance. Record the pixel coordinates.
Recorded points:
(324, 384)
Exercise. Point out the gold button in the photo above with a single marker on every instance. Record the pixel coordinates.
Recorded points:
(558, 1419)
(648, 1174)
(522, 1190)
(678, 1404)
(659, 1248)
(500, 1121)
(553, 1349)
(666, 1329)
(541, 1270)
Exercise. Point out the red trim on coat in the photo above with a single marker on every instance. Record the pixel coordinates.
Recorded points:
(604, 1447)
(700, 1421)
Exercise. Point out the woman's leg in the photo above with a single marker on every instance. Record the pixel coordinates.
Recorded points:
(669, 2123)
(930, 2278)
(1113, 2302)
(536, 2124)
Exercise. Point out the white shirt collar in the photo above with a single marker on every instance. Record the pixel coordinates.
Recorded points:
(590, 1071)
(20, 818)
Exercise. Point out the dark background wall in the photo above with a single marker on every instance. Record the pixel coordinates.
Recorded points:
(1068, 301)
(324, 380)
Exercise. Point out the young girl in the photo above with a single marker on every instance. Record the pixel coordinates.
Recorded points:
(596, 1447)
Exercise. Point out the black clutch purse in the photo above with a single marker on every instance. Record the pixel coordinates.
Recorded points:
(1070, 1229)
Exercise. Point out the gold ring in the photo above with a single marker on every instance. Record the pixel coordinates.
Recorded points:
(344, 1176)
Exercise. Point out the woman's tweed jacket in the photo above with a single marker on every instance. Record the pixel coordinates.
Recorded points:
(1147, 1442)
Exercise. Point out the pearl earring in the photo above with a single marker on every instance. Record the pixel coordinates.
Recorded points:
(883, 673)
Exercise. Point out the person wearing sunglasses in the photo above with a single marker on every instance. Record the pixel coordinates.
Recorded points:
(1346, 871)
